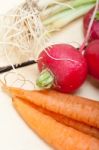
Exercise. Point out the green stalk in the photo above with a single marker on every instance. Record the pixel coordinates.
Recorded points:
(97, 15)
(77, 3)
(50, 11)
(42, 4)
(60, 20)
(45, 79)
(56, 8)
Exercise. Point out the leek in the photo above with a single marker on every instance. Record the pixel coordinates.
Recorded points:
(24, 31)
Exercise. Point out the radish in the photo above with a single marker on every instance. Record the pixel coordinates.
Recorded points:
(62, 67)
(94, 33)
(92, 56)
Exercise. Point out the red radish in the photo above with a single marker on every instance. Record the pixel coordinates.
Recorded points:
(94, 33)
(92, 56)
(62, 67)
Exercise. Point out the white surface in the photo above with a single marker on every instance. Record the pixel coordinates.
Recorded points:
(14, 133)
(6, 5)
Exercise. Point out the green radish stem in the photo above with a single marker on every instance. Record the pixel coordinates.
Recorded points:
(45, 79)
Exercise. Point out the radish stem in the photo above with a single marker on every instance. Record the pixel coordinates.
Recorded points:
(45, 79)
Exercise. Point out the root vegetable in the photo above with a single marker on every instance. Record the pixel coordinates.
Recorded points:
(94, 33)
(54, 133)
(82, 127)
(92, 57)
(62, 67)
(74, 107)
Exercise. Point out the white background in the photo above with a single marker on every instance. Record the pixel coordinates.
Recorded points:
(5, 5)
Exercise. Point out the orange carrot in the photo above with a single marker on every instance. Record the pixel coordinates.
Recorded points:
(72, 123)
(54, 133)
(74, 107)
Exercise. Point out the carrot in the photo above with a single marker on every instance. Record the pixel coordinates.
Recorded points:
(74, 107)
(69, 122)
(72, 123)
(54, 133)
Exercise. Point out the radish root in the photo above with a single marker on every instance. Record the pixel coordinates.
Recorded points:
(23, 34)
(19, 77)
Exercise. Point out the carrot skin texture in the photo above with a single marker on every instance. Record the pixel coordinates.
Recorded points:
(82, 127)
(74, 107)
(54, 133)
